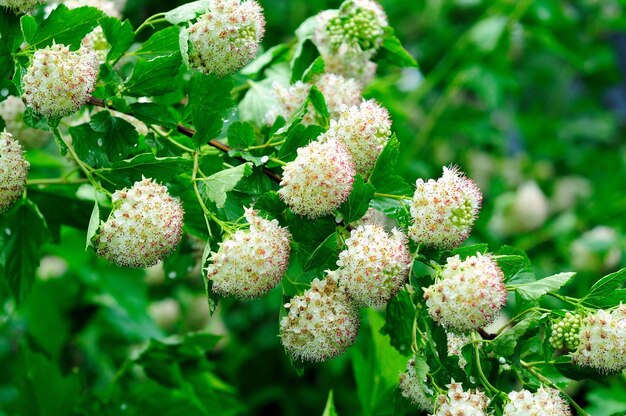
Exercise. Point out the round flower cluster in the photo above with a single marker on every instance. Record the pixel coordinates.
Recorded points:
(468, 294)
(319, 180)
(321, 323)
(460, 402)
(545, 402)
(374, 266)
(364, 130)
(251, 262)
(12, 111)
(602, 341)
(339, 92)
(97, 42)
(59, 81)
(13, 171)
(444, 211)
(360, 24)
(565, 332)
(107, 6)
(20, 6)
(146, 224)
(415, 390)
(227, 38)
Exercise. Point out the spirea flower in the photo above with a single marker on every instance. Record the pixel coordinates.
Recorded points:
(444, 210)
(97, 42)
(321, 323)
(319, 180)
(59, 81)
(20, 6)
(364, 130)
(339, 92)
(251, 262)
(565, 332)
(416, 390)
(144, 227)
(468, 294)
(13, 171)
(602, 341)
(374, 266)
(359, 24)
(12, 111)
(461, 402)
(226, 38)
(544, 402)
(107, 6)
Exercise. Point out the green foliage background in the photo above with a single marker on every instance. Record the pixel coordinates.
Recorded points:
(509, 91)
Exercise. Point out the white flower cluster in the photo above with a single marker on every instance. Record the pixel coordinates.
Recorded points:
(468, 293)
(12, 111)
(321, 323)
(545, 402)
(444, 210)
(59, 81)
(460, 402)
(375, 265)
(250, 263)
(225, 39)
(455, 343)
(364, 130)
(97, 42)
(602, 341)
(319, 180)
(339, 92)
(20, 6)
(565, 332)
(416, 390)
(13, 171)
(107, 6)
(146, 224)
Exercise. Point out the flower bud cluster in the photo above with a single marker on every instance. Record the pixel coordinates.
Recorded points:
(460, 402)
(360, 24)
(321, 323)
(364, 130)
(416, 390)
(20, 6)
(565, 332)
(375, 265)
(339, 92)
(146, 224)
(59, 81)
(13, 171)
(468, 293)
(226, 38)
(602, 341)
(12, 111)
(444, 211)
(544, 402)
(250, 263)
(319, 180)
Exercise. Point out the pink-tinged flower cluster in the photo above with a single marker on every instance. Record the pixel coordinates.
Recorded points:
(321, 323)
(20, 6)
(227, 37)
(416, 390)
(146, 225)
(444, 210)
(319, 180)
(468, 294)
(339, 92)
(13, 171)
(375, 265)
(544, 402)
(460, 402)
(602, 341)
(364, 130)
(250, 263)
(59, 81)
(12, 111)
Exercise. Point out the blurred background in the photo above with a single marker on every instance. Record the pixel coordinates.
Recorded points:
(527, 97)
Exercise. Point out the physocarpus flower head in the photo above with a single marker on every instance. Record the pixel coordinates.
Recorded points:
(13, 171)
(544, 402)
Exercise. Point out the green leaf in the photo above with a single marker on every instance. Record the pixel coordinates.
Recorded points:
(515, 265)
(306, 53)
(153, 113)
(505, 343)
(399, 318)
(94, 224)
(606, 287)
(187, 12)
(318, 67)
(153, 77)
(29, 27)
(317, 100)
(298, 136)
(329, 410)
(392, 50)
(163, 169)
(208, 124)
(383, 177)
(212, 298)
(467, 251)
(325, 254)
(535, 290)
(241, 135)
(23, 231)
(358, 202)
(163, 42)
(67, 27)
(212, 92)
(272, 55)
(119, 35)
(217, 185)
